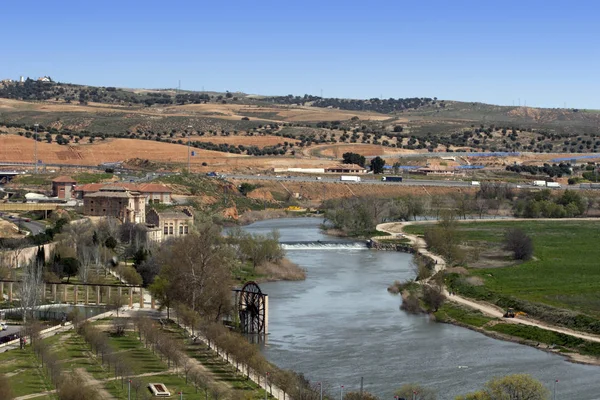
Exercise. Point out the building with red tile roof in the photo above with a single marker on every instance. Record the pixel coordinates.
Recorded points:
(62, 187)
(153, 192)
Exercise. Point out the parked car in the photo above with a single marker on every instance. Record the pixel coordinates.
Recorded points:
(3, 326)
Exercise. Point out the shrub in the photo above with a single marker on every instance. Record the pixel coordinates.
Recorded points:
(411, 304)
(521, 245)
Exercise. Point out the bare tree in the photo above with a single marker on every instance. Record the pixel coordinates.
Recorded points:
(187, 365)
(116, 302)
(136, 384)
(72, 387)
(30, 289)
(196, 272)
(433, 297)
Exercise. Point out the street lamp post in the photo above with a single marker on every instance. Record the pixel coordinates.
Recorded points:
(188, 143)
(266, 386)
(129, 390)
(342, 392)
(554, 392)
(321, 391)
(35, 161)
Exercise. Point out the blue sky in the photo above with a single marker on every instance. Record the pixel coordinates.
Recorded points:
(544, 53)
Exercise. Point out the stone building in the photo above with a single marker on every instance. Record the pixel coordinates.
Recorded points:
(153, 193)
(170, 223)
(118, 202)
(62, 187)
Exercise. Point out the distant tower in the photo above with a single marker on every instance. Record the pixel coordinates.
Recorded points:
(21, 79)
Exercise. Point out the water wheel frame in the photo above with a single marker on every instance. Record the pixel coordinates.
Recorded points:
(252, 308)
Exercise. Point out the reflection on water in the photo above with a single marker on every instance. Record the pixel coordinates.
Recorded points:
(340, 324)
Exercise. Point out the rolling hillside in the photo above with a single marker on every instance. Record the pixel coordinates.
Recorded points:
(234, 122)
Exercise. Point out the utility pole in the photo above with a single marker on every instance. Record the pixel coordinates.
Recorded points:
(342, 392)
(129, 390)
(188, 143)
(321, 390)
(554, 392)
(35, 160)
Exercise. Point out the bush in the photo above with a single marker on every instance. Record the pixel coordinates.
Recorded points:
(411, 304)
(415, 392)
(246, 188)
(521, 245)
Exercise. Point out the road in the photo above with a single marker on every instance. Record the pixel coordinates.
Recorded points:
(369, 179)
(34, 227)
(12, 329)
(365, 180)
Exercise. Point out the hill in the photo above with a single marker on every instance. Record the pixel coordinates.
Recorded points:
(226, 122)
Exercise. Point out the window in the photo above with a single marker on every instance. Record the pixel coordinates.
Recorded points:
(185, 229)
(171, 229)
(104, 210)
(156, 201)
(91, 210)
(166, 230)
(181, 229)
(92, 202)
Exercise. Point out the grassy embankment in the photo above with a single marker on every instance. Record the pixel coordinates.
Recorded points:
(212, 195)
(46, 178)
(559, 286)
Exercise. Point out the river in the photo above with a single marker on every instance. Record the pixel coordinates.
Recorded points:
(340, 324)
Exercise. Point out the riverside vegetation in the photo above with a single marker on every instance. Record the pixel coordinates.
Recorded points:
(556, 281)
(358, 216)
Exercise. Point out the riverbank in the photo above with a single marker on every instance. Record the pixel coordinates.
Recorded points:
(577, 346)
(495, 328)
(282, 270)
(250, 217)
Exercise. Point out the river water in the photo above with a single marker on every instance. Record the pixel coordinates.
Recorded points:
(340, 324)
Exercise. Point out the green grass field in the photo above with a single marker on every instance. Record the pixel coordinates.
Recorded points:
(86, 177)
(27, 377)
(24, 372)
(564, 272)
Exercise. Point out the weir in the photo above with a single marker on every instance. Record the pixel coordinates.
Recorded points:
(324, 245)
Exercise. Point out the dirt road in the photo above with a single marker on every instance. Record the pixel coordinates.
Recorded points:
(395, 229)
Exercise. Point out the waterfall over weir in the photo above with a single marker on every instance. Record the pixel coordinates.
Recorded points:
(324, 245)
